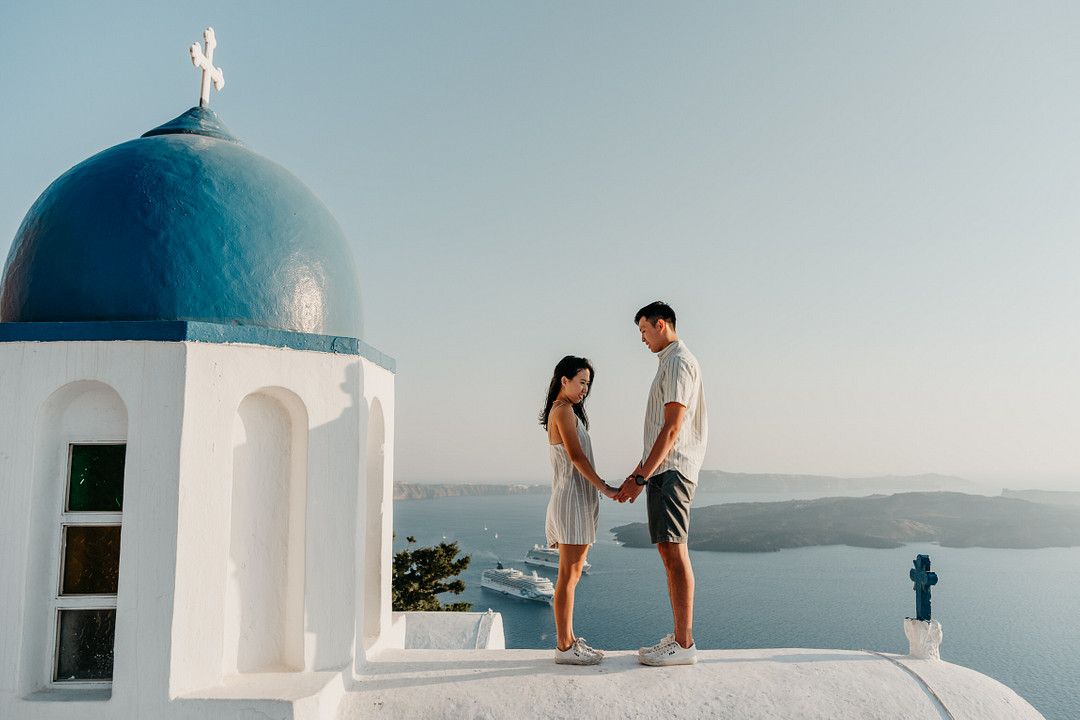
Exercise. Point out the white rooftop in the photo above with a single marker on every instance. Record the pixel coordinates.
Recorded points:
(736, 684)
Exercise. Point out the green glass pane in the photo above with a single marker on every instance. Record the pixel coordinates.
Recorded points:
(97, 478)
(91, 560)
(85, 647)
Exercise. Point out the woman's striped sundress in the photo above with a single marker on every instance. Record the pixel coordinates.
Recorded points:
(573, 513)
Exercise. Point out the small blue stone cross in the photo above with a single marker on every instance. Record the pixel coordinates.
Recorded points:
(923, 579)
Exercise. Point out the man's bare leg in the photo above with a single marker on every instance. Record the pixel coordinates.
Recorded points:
(680, 578)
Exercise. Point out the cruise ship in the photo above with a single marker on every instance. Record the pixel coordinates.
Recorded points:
(547, 557)
(515, 583)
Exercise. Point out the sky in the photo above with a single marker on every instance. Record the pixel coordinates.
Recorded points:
(863, 212)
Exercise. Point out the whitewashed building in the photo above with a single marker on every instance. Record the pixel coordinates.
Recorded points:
(196, 445)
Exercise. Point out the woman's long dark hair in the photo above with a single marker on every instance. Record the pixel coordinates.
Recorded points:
(568, 368)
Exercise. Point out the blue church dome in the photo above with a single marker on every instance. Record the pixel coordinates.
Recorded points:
(183, 223)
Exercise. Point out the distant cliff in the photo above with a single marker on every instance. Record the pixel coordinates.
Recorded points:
(424, 491)
(950, 519)
(720, 481)
(1055, 497)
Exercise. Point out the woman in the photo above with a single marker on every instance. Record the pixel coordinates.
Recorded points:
(573, 511)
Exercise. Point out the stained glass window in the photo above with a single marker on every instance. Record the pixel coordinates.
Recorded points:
(89, 563)
(96, 481)
(91, 560)
(85, 644)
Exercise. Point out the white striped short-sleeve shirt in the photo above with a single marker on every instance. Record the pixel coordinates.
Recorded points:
(678, 379)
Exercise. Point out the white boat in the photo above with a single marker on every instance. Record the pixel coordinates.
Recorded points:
(515, 583)
(547, 557)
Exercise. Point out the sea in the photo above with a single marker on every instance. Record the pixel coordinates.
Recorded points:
(1011, 614)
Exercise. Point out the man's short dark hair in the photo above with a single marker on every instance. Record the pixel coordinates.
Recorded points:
(654, 311)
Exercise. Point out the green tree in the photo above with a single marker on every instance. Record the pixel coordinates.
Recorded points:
(419, 574)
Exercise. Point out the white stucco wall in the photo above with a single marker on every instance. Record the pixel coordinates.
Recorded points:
(256, 516)
(54, 395)
(452, 630)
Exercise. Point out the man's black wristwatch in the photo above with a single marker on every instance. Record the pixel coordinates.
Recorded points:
(639, 479)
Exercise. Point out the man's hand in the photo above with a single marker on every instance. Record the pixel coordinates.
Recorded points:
(629, 490)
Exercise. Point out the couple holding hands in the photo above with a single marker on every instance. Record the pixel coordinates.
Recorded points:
(676, 431)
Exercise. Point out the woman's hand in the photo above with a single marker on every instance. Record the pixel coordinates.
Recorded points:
(609, 492)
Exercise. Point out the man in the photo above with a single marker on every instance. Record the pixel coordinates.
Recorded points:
(676, 431)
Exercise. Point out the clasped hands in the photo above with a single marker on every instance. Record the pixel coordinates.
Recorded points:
(629, 490)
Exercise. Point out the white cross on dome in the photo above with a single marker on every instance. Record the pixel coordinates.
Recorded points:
(206, 62)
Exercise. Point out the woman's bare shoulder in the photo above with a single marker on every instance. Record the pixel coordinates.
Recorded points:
(563, 413)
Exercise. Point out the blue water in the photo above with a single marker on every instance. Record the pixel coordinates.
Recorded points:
(1011, 614)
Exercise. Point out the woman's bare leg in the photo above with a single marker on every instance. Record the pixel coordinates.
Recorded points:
(571, 564)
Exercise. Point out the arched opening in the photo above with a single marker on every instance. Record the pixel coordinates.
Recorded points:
(263, 626)
(374, 571)
(73, 578)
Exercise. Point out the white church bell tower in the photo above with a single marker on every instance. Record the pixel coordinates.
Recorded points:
(196, 444)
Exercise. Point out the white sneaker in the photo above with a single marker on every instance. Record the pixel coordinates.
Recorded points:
(578, 654)
(669, 638)
(671, 654)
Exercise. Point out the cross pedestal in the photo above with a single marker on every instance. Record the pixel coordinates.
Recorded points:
(924, 638)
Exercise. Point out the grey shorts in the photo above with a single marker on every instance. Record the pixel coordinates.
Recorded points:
(668, 498)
